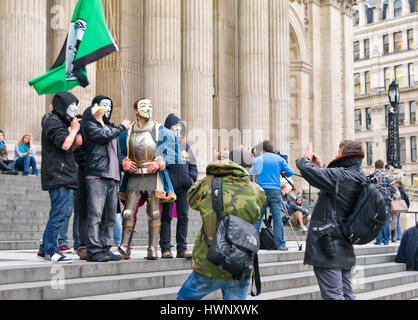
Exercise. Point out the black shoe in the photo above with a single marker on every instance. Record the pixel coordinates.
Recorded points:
(10, 172)
(112, 256)
(98, 257)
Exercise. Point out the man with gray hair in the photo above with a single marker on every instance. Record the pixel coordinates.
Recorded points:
(331, 255)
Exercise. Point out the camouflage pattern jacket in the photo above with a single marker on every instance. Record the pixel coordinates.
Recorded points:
(241, 197)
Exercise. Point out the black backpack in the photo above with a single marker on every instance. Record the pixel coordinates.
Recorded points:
(369, 215)
(236, 242)
(267, 235)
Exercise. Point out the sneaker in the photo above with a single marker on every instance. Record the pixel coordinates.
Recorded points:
(303, 228)
(184, 254)
(112, 256)
(41, 254)
(166, 255)
(75, 249)
(378, 243)
(58, 258)
(65, 249)
(283, 249)
(82, 253)
(98, 257)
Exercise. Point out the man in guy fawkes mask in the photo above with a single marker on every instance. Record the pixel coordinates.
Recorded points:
(60, 175)
(182, 176)
(149, 148)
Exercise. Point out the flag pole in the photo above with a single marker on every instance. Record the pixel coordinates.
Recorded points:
(119, 55)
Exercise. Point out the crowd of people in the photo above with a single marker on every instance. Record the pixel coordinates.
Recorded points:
(105, 173)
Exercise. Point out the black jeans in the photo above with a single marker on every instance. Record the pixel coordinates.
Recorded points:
(102, 197)
(80, 208)
(182, 208)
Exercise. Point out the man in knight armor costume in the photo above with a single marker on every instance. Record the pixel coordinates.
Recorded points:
(147, 149)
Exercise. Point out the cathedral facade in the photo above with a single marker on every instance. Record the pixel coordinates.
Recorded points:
(236, 71)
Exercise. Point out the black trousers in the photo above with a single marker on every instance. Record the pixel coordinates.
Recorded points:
(182, 208)
(80, 208)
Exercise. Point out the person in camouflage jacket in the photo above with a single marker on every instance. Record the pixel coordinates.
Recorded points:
(241, 198)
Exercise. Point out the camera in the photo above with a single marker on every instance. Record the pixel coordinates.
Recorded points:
(325, 233)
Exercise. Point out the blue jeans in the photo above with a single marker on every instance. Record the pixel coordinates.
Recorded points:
(63, 233)
(117, 229)
(7, 165)
(398, 232)
(25, 163)
(197, 287)
(60, 202)
(273, 200)
(384, 234)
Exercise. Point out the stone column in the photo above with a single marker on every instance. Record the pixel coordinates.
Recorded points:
(197, 76)
(226, 79)
(405, 7)
(60, 13)
(391, 8)
(162, 56)
(362, 12)
(22, 58)
(129, 36)
(279, 34)
(254, 71)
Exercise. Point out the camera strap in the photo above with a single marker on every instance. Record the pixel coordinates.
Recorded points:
(334, 212)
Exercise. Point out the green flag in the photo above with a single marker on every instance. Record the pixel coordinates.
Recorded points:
(88, 40)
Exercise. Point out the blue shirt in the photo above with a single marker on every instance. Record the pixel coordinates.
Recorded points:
(268, 168)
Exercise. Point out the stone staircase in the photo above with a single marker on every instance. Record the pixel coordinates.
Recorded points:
(24, 211)
(283, 277)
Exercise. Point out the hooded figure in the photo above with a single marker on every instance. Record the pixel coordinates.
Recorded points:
(103, 168)
(182, 176)
(59, 175)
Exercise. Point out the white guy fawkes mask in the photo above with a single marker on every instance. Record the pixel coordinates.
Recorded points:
(176, 129)
(72, 110)
(106, 105)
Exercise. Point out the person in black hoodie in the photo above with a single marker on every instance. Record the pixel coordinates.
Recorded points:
(182, 176)
(59, 175)
(103, 167)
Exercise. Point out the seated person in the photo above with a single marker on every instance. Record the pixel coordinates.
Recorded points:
(293, 194)
(25, 156)
(299, 216)
(6, 166)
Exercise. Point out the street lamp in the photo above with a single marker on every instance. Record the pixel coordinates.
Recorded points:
(393, 152)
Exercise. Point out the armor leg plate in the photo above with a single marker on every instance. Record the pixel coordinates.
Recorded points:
(154, 225)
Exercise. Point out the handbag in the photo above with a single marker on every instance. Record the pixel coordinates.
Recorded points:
(399, 205)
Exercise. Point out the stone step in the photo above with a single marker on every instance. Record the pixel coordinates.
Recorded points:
(404, 292)
(26, 196)
(41, 272)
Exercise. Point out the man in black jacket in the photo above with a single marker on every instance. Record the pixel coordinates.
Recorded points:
(182, 176)
(103, 174)
(59, 174)
(331, 255)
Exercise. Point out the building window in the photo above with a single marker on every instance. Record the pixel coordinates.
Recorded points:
(398, 75)
(387, 115)
(410, 34)
(402, 149)
(411, 74)
(386, 75)
(413, 176)
(357, 120)
(356, 18)
(357, 84)
(397, 12)
(368, 118)
(385, 9)
(369, 13)
(401, 107)
(414, 149)
(367, 81)
(356, 50)
(369, 148)
(385, 44)
(412, 112)
(366, 49)
(413, 6)
(398, 41)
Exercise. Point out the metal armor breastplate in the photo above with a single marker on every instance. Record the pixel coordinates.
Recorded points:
(142, 147)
